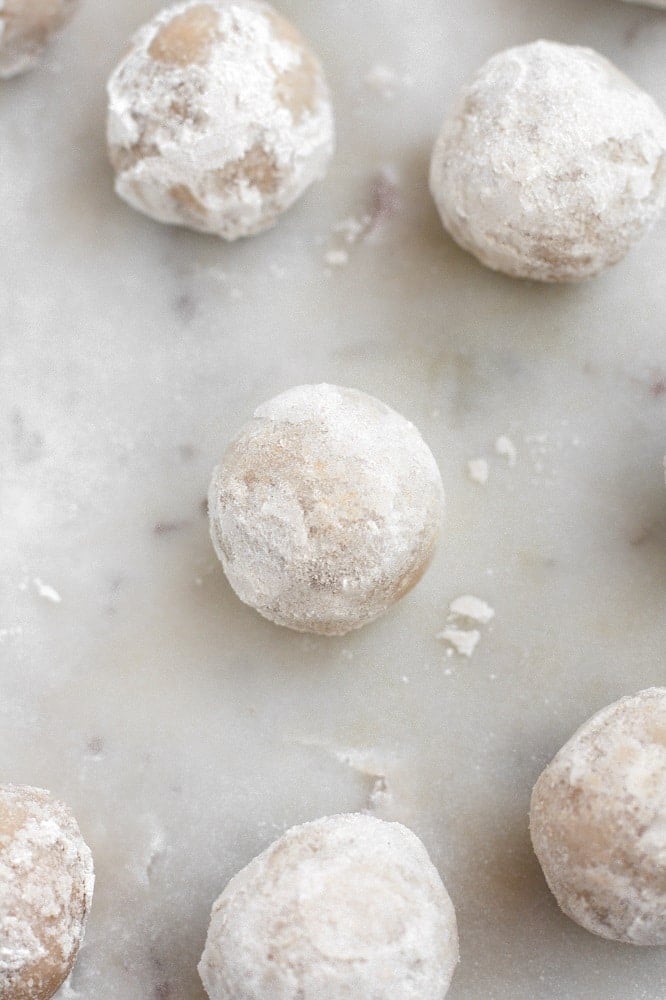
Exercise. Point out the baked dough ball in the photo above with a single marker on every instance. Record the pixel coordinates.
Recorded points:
(25, 28)
(219, 117)
(598, 821)
(347, 907)
(551, 165)
(46, 887)
(325, 509)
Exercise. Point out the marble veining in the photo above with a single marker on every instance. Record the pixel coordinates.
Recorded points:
(186, 732)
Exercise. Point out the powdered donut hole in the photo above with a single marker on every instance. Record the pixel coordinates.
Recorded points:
(598, 821)
(551, 165)
(219, 117)
(46, 887)
(325, 510)
(25, 29)
(345, 908)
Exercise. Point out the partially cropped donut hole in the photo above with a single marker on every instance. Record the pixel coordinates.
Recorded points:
(26, 27)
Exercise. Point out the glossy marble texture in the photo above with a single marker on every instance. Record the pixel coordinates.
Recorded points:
(185, 731)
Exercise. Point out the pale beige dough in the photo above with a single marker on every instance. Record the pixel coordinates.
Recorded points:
(598, 821)
(346, 908)
(25, 29)
(551, 164)
(219, 117)
(46, 887)
(325, 509)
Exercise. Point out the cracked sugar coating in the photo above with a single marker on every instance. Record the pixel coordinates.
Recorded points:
(219, 117)
(46, 887)
(598, 821)
(552, 164)
(325, 509)
(25, 29)
(344, 908)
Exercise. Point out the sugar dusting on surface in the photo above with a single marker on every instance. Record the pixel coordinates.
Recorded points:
(334, 908)
(598, 821)
(46, 886)
(225, 139)
(552, 164)
(325, 509)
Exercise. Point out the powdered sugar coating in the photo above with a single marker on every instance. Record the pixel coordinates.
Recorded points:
(25, 29)
(46, 887)
(551, 165)
(598, 821)
(346, 907)
(325, 509)
(219, 117)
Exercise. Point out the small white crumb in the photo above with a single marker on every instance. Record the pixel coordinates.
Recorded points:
(448, 671)
(352, 229)
(13, 631)
(477, 470)
(47, 592)
(337, 258)
(405, 680)
(464, 642)
(473, 608)
(383, 80)
(505, 447)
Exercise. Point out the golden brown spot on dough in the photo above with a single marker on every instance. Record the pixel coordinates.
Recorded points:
(657, 733)
(297, 88)
(187, 202)
(257, 167)
(125, 158)
(187, 38)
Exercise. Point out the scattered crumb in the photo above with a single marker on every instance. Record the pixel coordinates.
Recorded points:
(477, 470)
(47, 592)
(505, 447)
(382, 79)
(11, 632)
(473, 608)
(464, 642)
(405, 680)
(386, 81)
(336, 258)
(352, 229)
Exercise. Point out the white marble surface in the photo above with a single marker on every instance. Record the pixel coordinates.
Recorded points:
(185, 731)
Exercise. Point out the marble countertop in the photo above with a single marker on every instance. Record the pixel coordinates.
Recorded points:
(185, 731)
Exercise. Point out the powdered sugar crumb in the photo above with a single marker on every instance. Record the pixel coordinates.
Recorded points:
(478, 471)
(464, 641)
(46, 591)
(336, 258)
(473, 608)
(505, 448)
